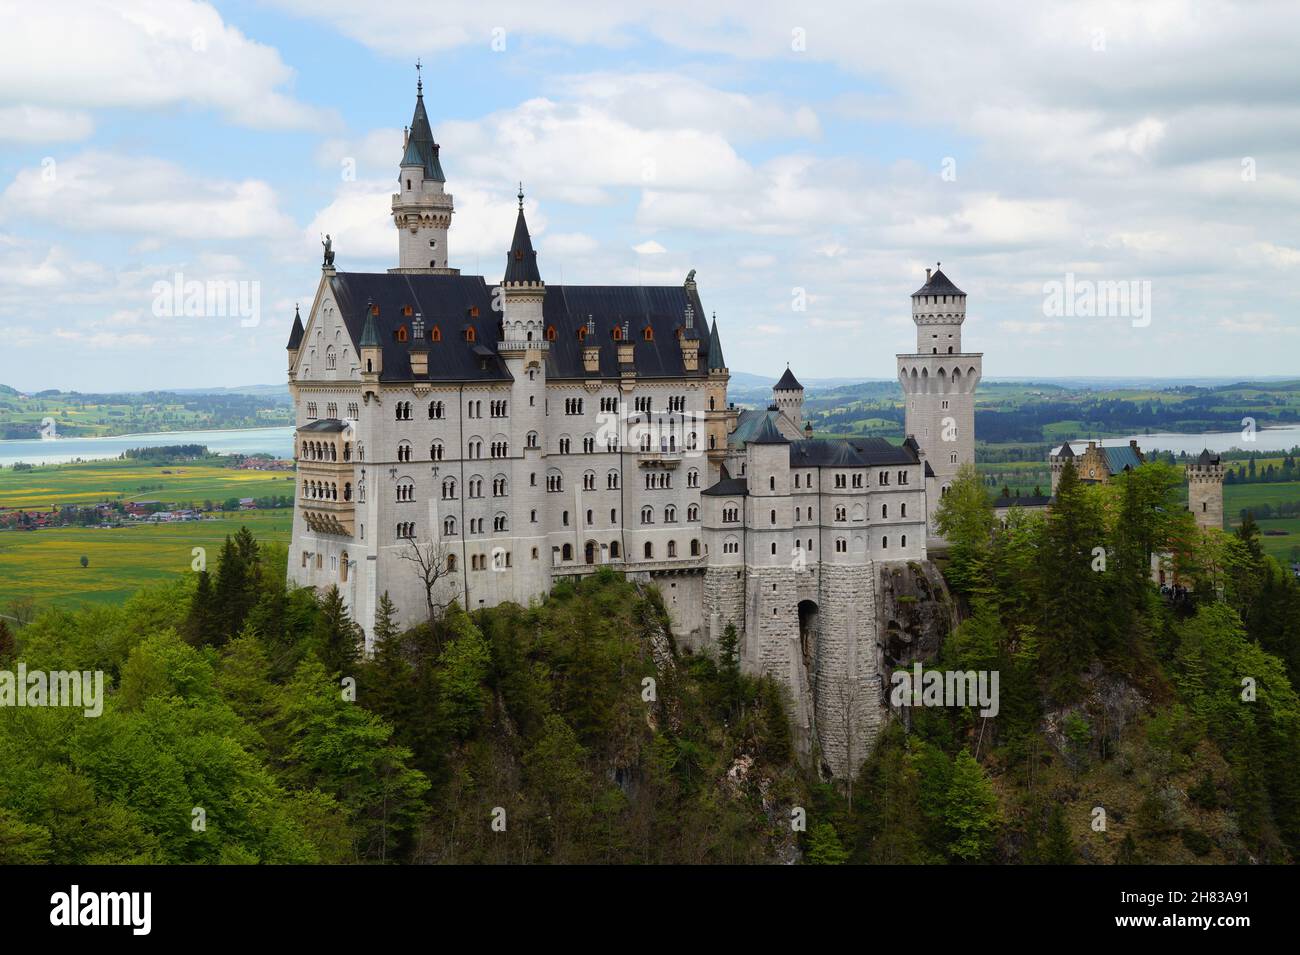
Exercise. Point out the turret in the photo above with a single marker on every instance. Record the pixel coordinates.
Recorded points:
(788, 396)
(522, 290)
(422, 208)
(938, 309)
(295, 340)
(372, 355)
(1205, 490)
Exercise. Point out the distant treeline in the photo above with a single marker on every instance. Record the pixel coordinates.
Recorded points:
(167, 452)
(1025, 422)
(1262, 512)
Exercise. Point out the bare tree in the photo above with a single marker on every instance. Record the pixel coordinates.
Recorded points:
(22, 610)
(433, 564)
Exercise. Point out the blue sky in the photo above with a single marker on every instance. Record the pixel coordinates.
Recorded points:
(789, 155)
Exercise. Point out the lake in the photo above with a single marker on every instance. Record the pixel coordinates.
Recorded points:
(279, 442)
(1268, 439)
(276, 441)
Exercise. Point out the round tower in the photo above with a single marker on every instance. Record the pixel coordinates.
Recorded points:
(939, 382)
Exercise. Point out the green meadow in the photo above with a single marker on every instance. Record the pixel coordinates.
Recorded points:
(46, 564)
(97, 481)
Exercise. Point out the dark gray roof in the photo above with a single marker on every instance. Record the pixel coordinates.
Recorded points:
(521, 260)
(448, 301)
(929, 471)
(840, 453)
(295, 333)
(788, 382)
(1066, 451)
(767, 433)
(1206, 457)
(938, 284)
(728, 486)
(1027, 500)
(421, 150)
(328, 425)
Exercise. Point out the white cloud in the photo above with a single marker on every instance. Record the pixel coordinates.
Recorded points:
(649, 247)
(144, 54)
(39, 124)
(109, 192)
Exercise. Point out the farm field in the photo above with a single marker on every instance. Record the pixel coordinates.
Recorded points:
(46, 564)
(95, 481)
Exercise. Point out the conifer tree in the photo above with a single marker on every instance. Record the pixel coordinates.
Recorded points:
(336, 638)
(1074, 593)
(970, 811)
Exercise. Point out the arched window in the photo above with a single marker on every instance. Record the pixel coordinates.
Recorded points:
(692, 512)
(695, 547)
(567, 552)
(551, 333)
(648, 334)
(670, 514)
(451, 563)
(649, 550)
(647, 515)
(449, 527)
(435, 334)
(672, 548)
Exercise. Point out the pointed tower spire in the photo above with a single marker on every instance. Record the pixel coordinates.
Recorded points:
(296, 333)
(369, 337)
(422, 207)
(521, 261)
(716, 361)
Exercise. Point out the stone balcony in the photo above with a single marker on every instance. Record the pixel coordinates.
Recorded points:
(325, 516)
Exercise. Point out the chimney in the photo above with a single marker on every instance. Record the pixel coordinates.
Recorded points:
(927, 275)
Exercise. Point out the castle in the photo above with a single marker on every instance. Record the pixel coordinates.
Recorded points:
(517, 433)
(1097, 465)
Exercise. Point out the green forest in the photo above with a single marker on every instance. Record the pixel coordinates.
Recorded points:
(242, 724)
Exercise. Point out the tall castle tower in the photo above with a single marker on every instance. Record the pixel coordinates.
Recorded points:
(939, 382)
(422, 207)
(1205, 490)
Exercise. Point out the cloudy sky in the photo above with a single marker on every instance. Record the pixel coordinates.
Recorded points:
(808, 160)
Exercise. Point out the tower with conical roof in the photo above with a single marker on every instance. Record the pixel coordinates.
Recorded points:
(939, 381)
(422, 208)
(787, 394)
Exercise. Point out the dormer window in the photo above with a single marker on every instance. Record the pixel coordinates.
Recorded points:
(617, 333)
(550, 333)
(648, 334)
(582, 333)
(401, 333)
(473, 311)
(374, 310)
(469, 333)
(435, 334)
(407, 311)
